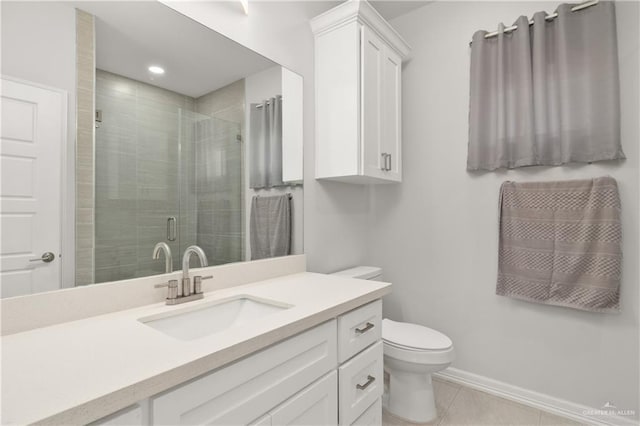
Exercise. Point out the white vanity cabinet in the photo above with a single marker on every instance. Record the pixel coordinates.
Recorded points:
(246, 390)
(358, 58)
(135, 415)
(330, 374)
(360, 373)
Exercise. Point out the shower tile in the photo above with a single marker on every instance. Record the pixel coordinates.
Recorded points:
(147, 92)
(84, 215)
(115, 84)
(115, 225)
(111, 256)
(117, 273)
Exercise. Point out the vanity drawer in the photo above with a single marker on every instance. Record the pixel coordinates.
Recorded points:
(241, 392)
(358, 329)
(360, 384)
(372, 416)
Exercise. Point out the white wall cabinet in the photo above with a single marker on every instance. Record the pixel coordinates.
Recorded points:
(358, 58)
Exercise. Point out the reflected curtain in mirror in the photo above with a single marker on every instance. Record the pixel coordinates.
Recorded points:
(546, 94)
(265, 145)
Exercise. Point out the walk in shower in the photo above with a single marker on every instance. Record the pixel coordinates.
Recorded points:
(163, 173)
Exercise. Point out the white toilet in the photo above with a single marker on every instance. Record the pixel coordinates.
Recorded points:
(411, 354)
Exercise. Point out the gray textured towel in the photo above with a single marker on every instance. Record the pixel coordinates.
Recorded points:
(560, 243)
(270, 226)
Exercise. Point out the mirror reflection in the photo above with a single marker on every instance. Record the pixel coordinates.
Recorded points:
(181, 137)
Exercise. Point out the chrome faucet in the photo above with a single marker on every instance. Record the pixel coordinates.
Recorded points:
(180, 293)
(168, 260)
(186, 282)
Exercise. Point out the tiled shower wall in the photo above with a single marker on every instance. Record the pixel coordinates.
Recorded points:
(220, 195)
(143, 178)
(136, 175)
(85, 72)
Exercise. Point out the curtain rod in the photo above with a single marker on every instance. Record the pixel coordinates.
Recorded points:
(267, 101)
(547, 18)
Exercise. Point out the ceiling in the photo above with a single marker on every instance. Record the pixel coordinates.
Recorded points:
(390, 9)
(131, 36)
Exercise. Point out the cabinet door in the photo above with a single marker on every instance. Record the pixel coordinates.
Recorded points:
(360, 383)
(372, 415)
(391, 141)
(241, 392)
(315, 405)
(372, 51)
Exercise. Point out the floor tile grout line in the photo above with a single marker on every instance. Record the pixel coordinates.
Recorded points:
(446, 410)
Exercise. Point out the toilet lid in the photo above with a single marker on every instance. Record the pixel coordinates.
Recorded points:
(413, 336)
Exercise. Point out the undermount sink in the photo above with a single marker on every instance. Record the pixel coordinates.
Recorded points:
(198, 321)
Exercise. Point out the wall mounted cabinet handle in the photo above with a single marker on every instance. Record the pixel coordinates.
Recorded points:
(389, 165)
(171, 228)
(384, 161)
(370, 379)
(364, 329)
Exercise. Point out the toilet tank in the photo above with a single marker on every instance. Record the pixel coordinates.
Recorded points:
(362, 272)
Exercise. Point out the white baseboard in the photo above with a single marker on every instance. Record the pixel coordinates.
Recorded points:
(559, 407)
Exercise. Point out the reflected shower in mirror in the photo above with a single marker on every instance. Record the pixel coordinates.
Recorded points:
(159, 146)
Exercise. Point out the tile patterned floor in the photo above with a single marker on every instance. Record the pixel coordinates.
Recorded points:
(459, 405)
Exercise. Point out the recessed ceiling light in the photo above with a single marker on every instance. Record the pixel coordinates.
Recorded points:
(245, 6)
(156, 70)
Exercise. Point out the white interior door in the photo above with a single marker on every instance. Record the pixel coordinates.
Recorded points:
(32, 133)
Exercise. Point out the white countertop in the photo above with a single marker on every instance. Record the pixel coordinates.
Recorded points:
(80, 371)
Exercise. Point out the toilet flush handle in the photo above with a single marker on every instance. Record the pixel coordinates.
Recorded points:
(364, 329)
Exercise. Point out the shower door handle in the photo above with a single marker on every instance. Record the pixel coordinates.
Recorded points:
(171, 228)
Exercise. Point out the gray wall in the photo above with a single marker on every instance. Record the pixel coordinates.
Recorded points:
(436, 234)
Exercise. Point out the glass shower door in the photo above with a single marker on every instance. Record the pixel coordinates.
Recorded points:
(211, 187)
(136, 181)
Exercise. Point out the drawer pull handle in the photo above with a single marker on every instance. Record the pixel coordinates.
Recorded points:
(366, 328)
(370, 379)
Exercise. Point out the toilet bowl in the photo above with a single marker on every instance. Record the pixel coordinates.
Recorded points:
(412, 353)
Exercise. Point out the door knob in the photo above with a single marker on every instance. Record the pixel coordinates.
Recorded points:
(46, 258)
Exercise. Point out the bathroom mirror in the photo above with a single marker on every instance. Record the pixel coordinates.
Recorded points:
(171, 135)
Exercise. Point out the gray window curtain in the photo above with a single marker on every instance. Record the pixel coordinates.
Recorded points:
(546, 94)
(265, 144)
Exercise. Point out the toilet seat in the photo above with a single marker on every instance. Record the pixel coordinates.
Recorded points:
(413, 336)
(415, 343)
